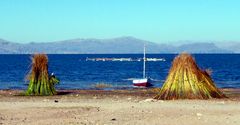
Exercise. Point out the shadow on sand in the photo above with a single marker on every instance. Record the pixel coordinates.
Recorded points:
(64, 93)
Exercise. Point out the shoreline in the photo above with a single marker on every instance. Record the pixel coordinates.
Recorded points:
(138, 91)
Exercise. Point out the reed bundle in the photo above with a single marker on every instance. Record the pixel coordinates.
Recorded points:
(40, 83)
(186, 81)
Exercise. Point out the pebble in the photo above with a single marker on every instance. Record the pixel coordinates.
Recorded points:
(222, 102)
(1, 118)
(56, 101)
(160, 101)
(149, 100)
(45, 100)
(199, 114)
(98, 109)
(113, 119)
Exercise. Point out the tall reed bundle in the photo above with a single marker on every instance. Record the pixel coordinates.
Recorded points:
(186, 81)
(40, 82)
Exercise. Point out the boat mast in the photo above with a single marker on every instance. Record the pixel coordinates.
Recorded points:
(144, 60)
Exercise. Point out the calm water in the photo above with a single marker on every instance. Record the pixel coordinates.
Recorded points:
(75, 73)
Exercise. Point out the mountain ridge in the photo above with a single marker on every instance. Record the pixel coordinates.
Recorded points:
(117, 45)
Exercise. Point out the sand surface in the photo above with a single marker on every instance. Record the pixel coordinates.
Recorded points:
(116, 107)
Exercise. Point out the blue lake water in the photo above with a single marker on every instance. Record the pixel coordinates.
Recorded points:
(76, 73)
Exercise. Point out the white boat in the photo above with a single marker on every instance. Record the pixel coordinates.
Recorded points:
(143, 82)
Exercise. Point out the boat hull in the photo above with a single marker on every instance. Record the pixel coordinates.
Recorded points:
(142, 83)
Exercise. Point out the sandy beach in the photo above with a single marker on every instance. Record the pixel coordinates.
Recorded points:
(120, 107)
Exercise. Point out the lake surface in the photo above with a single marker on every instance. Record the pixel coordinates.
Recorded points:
(76, 73)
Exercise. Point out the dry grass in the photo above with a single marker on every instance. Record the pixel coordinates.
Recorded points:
(186, 81)
(39, 66)
(40, 83)
(101, 85)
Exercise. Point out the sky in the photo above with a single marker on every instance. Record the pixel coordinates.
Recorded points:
(158, 21)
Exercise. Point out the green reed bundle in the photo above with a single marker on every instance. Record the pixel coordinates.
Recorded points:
(186, 81)
(40, 81)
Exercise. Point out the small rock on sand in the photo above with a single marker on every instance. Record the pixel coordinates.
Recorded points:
(113, 119)
(222, 102)
(199, 114)
(45, 100)
(149, 100)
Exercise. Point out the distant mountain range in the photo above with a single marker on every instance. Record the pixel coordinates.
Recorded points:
(113, 46)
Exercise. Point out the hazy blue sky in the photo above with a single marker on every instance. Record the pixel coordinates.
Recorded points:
(153, 20)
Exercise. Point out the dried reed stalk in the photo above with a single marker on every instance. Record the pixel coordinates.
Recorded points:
(40, 82)
(186, 81)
